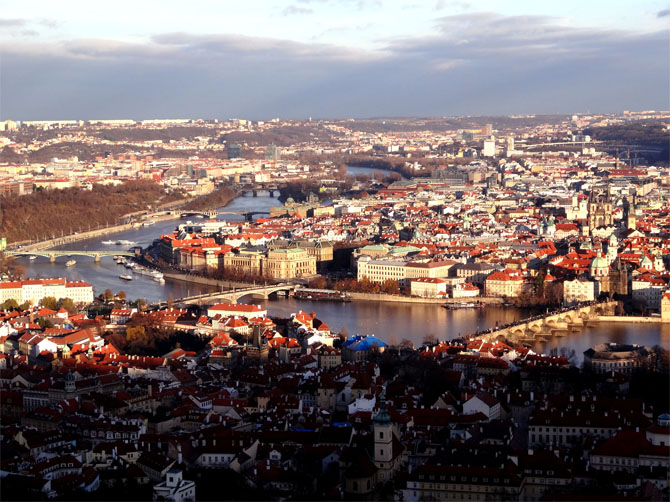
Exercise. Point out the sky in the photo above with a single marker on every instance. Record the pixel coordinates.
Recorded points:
(261, 59)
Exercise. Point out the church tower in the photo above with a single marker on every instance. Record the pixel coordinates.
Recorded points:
(383, 432)
(600, 210)
(631, 220)
(70, 384)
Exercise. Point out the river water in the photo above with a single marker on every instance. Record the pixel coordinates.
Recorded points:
(392, 322)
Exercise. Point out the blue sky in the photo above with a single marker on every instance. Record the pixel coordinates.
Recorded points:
(322, 58)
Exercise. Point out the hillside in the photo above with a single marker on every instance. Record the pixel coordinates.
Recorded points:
(52, 212)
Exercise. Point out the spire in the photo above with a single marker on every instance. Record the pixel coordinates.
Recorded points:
(382, 416)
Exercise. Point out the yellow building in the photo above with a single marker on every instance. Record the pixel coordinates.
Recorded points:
(247, 261)
(289, 263)
(665, 306)
(503, 284)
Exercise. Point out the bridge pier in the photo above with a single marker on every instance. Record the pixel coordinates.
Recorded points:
(52, 258)
(255, 193)
(96, 258)
(271, 192)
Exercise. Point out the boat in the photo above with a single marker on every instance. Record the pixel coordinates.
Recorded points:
(129, 264)
(126, 277)
(462, 305)
(156, 274)
(159, 280)
(70, 263)
(148, 223)
(108, 243)
(33, 257)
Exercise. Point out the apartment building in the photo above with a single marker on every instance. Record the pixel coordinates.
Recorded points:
(33, 291)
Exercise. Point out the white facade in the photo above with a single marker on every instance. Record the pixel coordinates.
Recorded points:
(576, 291)
(174, 488)
(33, 291)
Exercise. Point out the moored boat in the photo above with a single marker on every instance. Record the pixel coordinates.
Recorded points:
(70, 263)
(126, 277)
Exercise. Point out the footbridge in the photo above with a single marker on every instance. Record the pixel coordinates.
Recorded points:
(232, 295)
(554, 324)
(52, 255)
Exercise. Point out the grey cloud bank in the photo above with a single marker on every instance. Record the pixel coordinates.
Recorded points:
(480, 63)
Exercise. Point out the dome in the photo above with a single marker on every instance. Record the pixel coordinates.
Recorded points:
(599, 262)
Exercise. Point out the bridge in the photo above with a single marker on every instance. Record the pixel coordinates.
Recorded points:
(555, 324)
(52, 255)
(232, 295)
(248, 215)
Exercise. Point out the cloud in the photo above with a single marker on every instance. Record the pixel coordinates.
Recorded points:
(475, 63)
(663, 13)
(293, 10)
(12, 23)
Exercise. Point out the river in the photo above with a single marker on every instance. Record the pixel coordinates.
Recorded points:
(392, 322)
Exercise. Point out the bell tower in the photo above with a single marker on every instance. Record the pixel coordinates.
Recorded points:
(383, 431)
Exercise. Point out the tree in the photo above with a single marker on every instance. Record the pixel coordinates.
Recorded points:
(170, 300)
(429, 339)
(68, 304)
(121, 295)
(136, 337)
(49, 302)
(107, 295)
(390, 286)
(10, 304)
(140, 303)
(45, 323)
(318, 283)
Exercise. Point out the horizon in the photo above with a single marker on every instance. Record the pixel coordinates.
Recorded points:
(341, 119)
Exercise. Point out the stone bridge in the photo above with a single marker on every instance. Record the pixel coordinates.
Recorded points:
(52, 255)
(554, 324)
(233, 295)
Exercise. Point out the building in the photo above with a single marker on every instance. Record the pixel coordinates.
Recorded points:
(359, 347)
(248, 261)
(617, 358)
(600, 210)
(33, 291)
(447, 482)
(388, 452)
(647, 291)
(476, 272)
(236, 309)
(489, 148)
(485, 403)
(431, 269)
(174, 488)
(578, 290)
(427, 287)
(504, 284)
(234, 151)
(289, 263)
(382, 270)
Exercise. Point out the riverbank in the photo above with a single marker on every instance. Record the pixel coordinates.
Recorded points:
(92, 234)
(631, 319)
(368, 297)
(197, 279)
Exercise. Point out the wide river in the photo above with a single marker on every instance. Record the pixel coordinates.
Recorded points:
(391, 322)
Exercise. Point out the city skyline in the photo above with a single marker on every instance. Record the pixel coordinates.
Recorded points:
(331, 59)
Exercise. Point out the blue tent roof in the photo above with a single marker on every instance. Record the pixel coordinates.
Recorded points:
(363, 342)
